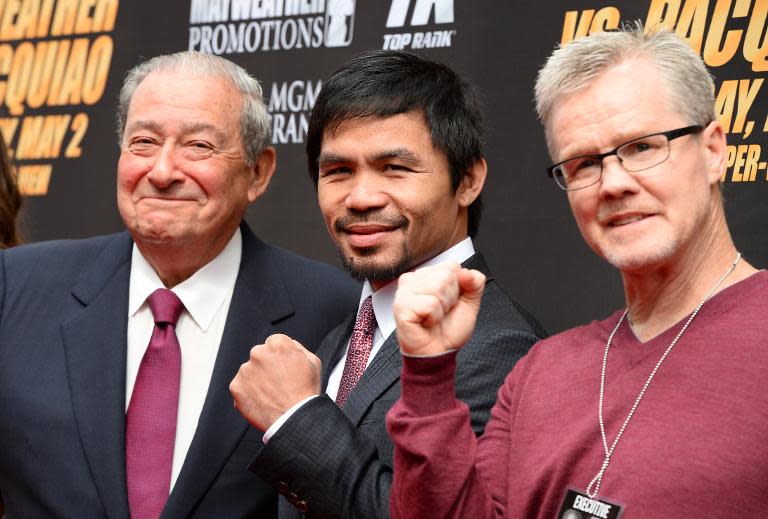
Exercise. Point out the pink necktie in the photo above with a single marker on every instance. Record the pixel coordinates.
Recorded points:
(360, 345)
(151, 420)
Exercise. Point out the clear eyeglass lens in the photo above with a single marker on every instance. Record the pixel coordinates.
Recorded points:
(635, 155)
(644, 153)
(579, 172)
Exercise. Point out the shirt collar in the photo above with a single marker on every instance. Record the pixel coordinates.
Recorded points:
(384, 297)
(202, 294)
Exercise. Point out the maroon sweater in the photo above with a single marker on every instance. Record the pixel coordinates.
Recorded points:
(697, 445)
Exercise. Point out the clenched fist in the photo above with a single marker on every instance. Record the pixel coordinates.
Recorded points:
(436, 308)
(279, 374)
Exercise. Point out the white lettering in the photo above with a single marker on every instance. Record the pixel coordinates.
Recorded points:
(207, 11)
(289, 128)
(296, 97)
(592, 506)
(398, 12)
(291, 33)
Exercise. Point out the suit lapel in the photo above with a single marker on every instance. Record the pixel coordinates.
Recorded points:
(333, 347)
(380, 374)
(259, 300)
(95, 348)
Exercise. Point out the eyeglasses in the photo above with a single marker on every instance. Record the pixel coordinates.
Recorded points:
(636, 155)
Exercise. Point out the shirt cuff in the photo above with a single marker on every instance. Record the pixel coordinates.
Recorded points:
(284, 418)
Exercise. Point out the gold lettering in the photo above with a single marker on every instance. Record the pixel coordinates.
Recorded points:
(747, 94)
(44, 20)
(714, 55)
(97, 70)
(606, 18)
(64, 17)
(41, 136)
(575, 26)
(8, 126)
(754, 51)
(34, 179)
(692, 23)
(18, 78)
(40, 80)
(79, 126)
(725, 102)
(662, 14)
(72, 83)
(84, 22)
(104, 15)
(6, 57)
(746, 156)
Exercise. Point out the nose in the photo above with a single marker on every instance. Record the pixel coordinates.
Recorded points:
(164, 171)
(366, 192)
(615, 180)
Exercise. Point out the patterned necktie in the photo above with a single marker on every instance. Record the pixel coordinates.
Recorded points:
(360, 345)
(151, 420)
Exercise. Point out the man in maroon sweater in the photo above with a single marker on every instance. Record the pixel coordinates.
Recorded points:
(659, 410)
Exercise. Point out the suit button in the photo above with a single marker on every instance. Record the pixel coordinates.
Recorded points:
(292, 498)
(302, 506)
(282, 487)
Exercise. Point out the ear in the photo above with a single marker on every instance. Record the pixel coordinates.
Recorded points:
(262, 173)
(472, 183)
(716, 149)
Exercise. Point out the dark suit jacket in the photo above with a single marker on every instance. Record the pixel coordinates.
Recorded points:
(331, 463)
(63, 318)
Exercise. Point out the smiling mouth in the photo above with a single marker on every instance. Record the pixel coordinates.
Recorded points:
(626, 220)
(367, 236)
(162, 200)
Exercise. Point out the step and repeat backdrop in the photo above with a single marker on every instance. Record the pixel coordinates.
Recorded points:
(62, 63)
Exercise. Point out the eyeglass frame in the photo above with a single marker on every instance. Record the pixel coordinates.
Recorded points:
(670, 135)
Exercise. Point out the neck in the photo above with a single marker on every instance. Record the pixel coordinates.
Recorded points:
(663, 297)
(176, 263)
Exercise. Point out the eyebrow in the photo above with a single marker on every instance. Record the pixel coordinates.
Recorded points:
(402, 154)
(142, 124)
(186, 128)
(330, 158)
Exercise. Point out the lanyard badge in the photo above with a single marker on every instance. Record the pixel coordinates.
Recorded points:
(577, 505)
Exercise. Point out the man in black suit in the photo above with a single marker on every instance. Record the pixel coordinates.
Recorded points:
(395, 149)
(76, 316)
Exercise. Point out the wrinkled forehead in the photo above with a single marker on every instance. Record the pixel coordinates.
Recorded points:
(626, 100)
(187, 98)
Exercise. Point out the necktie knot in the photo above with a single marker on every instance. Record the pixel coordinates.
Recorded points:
(166, 306)
(366, 318)
(359, 350)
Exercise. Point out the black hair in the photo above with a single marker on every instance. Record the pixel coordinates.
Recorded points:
(382, 83)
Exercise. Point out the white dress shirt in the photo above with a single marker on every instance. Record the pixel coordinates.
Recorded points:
(206, 296)
(382, 300)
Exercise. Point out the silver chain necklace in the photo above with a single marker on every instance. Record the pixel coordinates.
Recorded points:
(597, 480)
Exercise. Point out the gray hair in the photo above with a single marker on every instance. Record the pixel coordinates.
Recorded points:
(254, 119)
(575, 65)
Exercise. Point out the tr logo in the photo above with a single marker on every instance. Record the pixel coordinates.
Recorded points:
(398, 12)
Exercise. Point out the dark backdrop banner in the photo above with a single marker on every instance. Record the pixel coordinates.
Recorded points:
(62, 63)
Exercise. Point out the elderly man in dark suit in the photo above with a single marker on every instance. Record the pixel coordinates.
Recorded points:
(394, 147)
(117, 351)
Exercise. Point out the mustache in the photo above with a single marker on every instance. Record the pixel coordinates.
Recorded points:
(377, 217)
